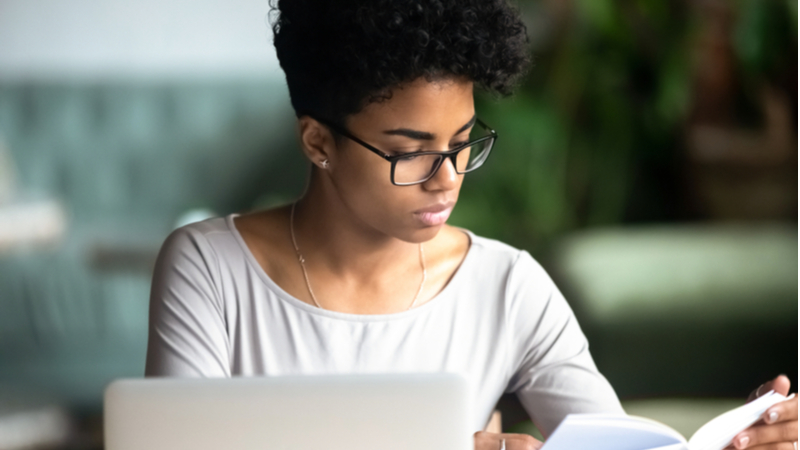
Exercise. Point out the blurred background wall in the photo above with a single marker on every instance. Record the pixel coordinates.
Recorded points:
(118, 121)
(649, 161)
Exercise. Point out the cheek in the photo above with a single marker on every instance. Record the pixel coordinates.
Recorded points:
(359, 173)
(363, 183)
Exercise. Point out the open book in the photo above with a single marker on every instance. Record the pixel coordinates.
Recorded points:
(621, 432)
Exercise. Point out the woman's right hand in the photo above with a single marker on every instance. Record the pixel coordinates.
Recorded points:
(493, 441)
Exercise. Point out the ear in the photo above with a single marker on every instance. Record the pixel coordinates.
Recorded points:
(316, 141)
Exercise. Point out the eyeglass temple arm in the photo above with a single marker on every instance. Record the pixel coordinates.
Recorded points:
(483, 124)
(344, 133)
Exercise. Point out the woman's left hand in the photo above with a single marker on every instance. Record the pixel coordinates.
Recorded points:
(778, 428)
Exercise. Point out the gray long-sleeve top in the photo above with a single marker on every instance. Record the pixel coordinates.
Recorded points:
(500, 322)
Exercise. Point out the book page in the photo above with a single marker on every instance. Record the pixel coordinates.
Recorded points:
(612, 432)
(672, 447)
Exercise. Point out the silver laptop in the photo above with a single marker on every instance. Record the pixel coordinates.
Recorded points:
(338, 412)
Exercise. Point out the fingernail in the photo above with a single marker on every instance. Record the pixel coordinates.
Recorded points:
(743, 441)
(772, 417)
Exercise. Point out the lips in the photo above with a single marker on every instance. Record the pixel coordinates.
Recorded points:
(435, 214)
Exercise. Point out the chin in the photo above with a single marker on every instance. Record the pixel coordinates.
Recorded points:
(421, 235)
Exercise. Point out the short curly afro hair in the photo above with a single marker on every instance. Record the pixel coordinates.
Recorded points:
(341, 55)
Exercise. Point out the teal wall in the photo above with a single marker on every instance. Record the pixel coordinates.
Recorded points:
(161, 147)
(126, 159)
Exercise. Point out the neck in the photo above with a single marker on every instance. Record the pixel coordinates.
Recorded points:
(331, 237)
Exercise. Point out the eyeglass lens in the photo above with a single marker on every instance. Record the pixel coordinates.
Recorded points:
(413, 169)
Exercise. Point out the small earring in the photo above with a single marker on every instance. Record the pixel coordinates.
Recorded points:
(324, 163)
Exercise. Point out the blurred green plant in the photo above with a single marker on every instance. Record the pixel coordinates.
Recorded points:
(593, 135)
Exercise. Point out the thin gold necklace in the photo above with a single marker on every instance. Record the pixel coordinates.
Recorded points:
(305, 273)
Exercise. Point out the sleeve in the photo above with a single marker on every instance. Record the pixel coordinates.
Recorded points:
(553, 373)
(187, 333)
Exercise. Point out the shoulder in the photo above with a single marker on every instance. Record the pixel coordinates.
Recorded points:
(205, 242)
(193, 263)
(490, 252)
(201, 233)
(204, 229)
(492, 247)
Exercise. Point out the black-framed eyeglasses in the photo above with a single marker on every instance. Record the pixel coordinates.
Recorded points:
(420, 166)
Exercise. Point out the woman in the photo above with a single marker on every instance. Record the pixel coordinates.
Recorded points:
(362, 274)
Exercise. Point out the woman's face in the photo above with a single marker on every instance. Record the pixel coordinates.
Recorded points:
(422, 115)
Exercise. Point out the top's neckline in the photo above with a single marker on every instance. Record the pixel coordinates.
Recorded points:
(441, 297)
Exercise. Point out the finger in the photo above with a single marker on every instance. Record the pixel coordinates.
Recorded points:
(767, 434)
(780, 384)
(759, 391)
(521, 442)
(781, 412)
(778, 446)
(492, 441)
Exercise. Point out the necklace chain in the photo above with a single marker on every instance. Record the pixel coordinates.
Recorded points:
(305, 272)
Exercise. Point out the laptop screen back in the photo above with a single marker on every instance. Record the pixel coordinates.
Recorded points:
(339, 412)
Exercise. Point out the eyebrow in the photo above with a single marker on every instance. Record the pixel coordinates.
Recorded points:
(424, 135)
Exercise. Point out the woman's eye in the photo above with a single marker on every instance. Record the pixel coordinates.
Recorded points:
(407, 154)
(410, 156)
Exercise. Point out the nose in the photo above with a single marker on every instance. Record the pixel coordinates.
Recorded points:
(445, 177)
